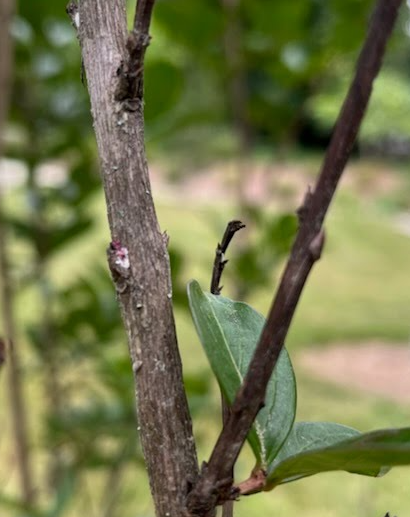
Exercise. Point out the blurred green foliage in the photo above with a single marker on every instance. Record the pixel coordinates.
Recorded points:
(284, 58)
(277, 54)
(264, 250)
(385, 121)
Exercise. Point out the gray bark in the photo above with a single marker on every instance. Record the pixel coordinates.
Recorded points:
(144, 289)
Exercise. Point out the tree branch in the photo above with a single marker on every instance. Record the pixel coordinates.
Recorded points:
(214, 485)
(217, 270)
(143, 14)
(138, 255)
(220, 262)
(2, 352)
(14, 377)
(131, 72)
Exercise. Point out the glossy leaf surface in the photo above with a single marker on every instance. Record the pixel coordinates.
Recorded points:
(312, 448)
(229, 332)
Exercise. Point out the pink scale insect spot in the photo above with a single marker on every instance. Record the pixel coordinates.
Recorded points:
(121, 254)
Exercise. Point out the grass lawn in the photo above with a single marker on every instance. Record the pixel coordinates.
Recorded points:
(360, 290)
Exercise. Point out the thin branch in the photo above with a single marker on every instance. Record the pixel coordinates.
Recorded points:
(236, 78)
(112, 488)
(18, 413)
(2, 352)
(214, 485)
(217, 270)
(131, 71)
(7, 8)
(220, 262)
(143, 14)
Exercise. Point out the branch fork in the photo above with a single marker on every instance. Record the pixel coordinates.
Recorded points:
(103, 35)
(130, 88)
(131, 70)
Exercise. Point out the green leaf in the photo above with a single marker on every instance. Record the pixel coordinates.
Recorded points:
(229, 332)
(279, 234)
(307, 436)
(196, 26)
(370, 454)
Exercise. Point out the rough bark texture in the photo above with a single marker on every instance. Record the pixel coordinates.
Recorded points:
(143, 288)
(214, 485)
(18, 414)
(139, 261)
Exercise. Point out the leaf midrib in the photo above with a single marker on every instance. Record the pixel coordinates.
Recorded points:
(256, 425)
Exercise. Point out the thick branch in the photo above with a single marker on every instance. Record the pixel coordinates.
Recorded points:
(138, 254)
(306, 250)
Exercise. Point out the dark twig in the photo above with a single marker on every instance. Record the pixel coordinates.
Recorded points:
(131, 71)
(214, 485)
(220, 261)
(2, 351)
(143, 13)
(219, 265)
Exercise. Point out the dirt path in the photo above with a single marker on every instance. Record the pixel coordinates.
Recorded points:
(377, 368)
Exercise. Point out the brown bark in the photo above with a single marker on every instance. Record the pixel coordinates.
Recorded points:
(13, 364)
(113, 64)
(214, 485)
